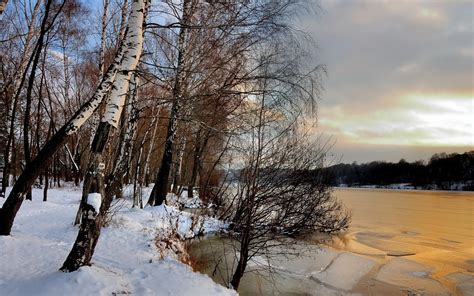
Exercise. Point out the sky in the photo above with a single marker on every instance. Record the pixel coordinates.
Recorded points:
(400, 77)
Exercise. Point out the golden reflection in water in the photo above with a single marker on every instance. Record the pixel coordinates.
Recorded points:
(433, 227)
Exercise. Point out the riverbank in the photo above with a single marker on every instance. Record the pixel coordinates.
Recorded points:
(400, 242)
(325, 270)
(136, 253)
(463, 187)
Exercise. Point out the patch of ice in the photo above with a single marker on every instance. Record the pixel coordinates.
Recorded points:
(420, 273)
(345, 271)
(411, 275)
(464, 282)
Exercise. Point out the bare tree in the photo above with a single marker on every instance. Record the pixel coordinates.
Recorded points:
(212, 40)
(279, 191)
(95, 202)
(158, 194)
(16, 85)
(45, 155)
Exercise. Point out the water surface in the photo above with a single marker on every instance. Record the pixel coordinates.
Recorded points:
(399, 242)
(435, 226)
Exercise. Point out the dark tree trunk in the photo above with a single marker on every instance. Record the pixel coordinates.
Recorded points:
(44, 157)
(26, 180)
(242, 264)
(47, 170)
(196, 164)
(159, 191)
(46, 185)
(57, 170)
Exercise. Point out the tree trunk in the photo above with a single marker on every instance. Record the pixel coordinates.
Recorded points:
(159, 191)
(146, 168)
(102, 39)
(94, 187)
(196, 165)
(46, 184)
(179, 165)
(136, 184)
(17, 85)
(242, 264)
(34, 168)
(91, 222)
(29, 89)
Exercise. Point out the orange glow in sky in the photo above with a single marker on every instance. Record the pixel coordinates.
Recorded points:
(400, 77)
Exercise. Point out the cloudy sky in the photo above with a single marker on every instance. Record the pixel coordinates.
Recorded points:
(400, 81)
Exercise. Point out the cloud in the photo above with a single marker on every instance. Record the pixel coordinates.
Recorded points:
(400, 72)
(413, 119)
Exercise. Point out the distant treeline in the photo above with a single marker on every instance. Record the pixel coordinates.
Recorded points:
(443, 171)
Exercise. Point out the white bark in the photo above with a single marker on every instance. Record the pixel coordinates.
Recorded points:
(123, 20)
(152, 144)
(102, 89)
(133, 114)
(102, 39)
(23, 63)
(134, 41)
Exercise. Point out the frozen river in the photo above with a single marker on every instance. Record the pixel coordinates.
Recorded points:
(435, 226)
(400, 243)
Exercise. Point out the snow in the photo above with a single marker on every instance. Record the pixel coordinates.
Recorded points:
(127, 260)
(184, 201)
(94, 200)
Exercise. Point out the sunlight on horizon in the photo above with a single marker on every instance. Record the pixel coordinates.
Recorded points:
(417, 119)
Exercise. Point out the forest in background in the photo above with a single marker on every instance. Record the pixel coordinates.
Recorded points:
(442, 172)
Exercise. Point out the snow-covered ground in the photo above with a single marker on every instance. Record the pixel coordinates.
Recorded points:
(134, 254)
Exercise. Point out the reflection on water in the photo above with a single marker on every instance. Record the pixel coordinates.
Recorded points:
(436, 226)
(399, 243)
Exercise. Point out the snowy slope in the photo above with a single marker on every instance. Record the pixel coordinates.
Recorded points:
(126, 261)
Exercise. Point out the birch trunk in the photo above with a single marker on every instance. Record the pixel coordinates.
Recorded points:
(159, 191)
(44, 157)
(147, 158)
(123, 20)
(102, 39)
(17, 84)
(29, 90)
(93, 217)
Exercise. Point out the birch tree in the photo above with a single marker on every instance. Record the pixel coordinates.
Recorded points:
(159, 191)
(17, 84)
(95, 202)
(229, 30)
(45, 155)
